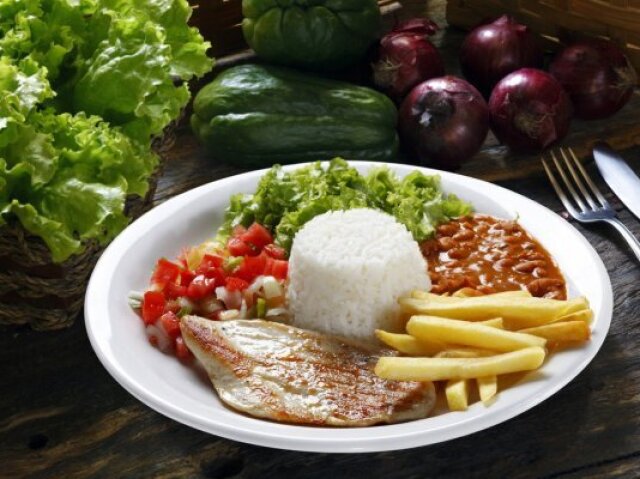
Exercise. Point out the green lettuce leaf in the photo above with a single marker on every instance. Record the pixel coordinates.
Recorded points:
(284, 202)
(84, 85)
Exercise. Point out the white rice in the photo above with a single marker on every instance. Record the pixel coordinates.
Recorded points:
(347, 270)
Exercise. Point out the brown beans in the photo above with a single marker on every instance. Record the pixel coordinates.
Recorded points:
(542, 286)
(464, 235)
(446, 243)
(511, 239)
(447, 229)
(458, 253)
(528, 266)
(540, 272)
(503, 264)
(490, 255)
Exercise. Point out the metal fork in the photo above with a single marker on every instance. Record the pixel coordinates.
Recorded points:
(595, 211)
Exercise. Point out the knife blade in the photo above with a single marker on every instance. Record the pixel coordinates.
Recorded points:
(619, 176)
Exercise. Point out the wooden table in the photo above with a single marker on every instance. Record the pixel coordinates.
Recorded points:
(63, 416)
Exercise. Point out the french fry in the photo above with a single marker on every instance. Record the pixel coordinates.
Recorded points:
(466, 292)
(438, 369)
(562, 331)
(494, 323)
(527, 311)
(462, 352)
(410, 345)
(457, 393)
(470, 334)
(585, 315)
(487, 388)
(469, 293)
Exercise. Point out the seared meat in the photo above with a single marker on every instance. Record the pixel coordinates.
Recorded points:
(279, 372)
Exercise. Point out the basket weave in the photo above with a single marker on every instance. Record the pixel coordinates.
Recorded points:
(556, 20)
(46, 295)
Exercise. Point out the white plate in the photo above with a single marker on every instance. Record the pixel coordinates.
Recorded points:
(164, 384)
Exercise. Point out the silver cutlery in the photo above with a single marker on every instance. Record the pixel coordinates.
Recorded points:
(622, 180)
(583, 207)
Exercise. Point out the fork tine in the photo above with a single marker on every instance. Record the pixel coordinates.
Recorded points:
(568, 184)
(556, 186)
(587, 178)
(587, 196)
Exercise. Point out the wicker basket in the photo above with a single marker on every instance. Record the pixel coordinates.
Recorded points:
(46, 295)
(559, 20)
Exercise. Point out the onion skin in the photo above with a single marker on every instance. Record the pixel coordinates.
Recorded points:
(597, 75)
(406, 57)
(529, 110)
(493, 50)
(443, 122)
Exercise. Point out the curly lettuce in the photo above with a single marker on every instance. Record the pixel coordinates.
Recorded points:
(285, 201)
(84, 86)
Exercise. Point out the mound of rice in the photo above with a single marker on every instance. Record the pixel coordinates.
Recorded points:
(347, 270)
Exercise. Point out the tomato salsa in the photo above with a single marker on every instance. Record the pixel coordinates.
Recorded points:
(490, 256)
(243, 278)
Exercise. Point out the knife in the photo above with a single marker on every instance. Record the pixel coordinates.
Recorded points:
(619, 176)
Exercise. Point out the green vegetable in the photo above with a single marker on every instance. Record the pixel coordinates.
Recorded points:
(319, 35)
(259, 115)
(285, 201)
(261, 307)
(84, 85)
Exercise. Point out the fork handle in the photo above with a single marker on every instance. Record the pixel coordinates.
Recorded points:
(633, 242)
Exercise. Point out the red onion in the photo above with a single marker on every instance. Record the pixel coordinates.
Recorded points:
(597, 76)
(493, 50)
(444, 121)
(406, 57)
(529, 110)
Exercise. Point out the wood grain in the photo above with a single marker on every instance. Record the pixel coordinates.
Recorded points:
(63, 416)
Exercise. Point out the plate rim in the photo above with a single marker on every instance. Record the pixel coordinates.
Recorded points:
(337, 445)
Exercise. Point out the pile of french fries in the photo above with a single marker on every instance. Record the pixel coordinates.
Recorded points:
(462, 339)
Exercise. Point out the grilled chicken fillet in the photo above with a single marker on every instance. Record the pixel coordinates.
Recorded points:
(271, 370)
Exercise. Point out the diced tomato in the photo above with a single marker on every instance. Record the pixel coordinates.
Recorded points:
(152, 306)
(238, 247)
(201, 286)
(186, 277)
(258, 236)
(275, 251)
(174, 290)
(209, 261)
(171, 324)
(251, 267)
(215, 315)
(182, 351)
(279, 269)
(238, 231)
(166, 272)
(172, 306)
(236, 284)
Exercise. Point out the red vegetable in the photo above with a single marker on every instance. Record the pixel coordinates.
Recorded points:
(201, 286)
(493, 50)
(182, 352)
(257, 235)
(444, 121)
(239, 247)
(153, 304)
(251, 267)
(236, 284)
(529, 110)
(165, 272)
(171, 324)
(275, 251)
(406, 57)
(597, 76)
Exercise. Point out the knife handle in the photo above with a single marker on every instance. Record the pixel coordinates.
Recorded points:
(633, 242)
